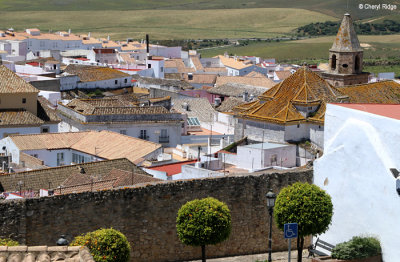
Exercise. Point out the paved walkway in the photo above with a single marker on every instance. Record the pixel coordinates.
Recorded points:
(276, 256)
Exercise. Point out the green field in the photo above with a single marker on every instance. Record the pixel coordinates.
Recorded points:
(375, 47)
(171, 24)
(330, 7)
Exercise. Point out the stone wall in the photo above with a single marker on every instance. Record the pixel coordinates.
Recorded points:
(146, 214)
(45, 254)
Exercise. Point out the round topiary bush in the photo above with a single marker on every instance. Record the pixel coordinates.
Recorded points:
(307, 205)
(105, 245)
(356, 248)
(203, 222)
(8, 242)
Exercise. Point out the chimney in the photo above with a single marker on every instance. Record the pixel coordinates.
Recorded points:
(88, 35)
(147, 45)
(245, 96)
(108, 38)
(69, 31)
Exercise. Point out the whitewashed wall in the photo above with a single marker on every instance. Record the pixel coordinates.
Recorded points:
(359, 149)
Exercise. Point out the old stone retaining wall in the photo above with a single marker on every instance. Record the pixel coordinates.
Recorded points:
(146, 214)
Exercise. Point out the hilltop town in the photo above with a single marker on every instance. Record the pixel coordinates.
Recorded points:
(97, 132)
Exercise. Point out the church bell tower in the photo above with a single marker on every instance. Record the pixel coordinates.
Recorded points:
(346, 57)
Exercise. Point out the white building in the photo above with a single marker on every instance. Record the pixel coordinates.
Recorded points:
(93, 77)
(361, 145)
(60, 149)
(152, 123)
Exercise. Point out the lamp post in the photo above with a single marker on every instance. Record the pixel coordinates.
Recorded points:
(270, 204)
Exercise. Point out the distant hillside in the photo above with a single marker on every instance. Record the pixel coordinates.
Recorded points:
(334, 8)
(384, 27)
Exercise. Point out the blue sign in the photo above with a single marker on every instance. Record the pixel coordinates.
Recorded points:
(290, 230)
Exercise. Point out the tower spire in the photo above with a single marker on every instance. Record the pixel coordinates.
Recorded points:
(346, 39)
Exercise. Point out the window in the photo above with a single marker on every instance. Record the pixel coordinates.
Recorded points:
(190, 77)
(357, 64)
(162, 69)
(122, 132)
(116, 82)
(41, 43)
(126, 80)
(298, 125)
(60, 159)
(333, 62)
(23, 100)
(345, 65)
(149, 66)
(164, 133)
(44, 129)
(78, 159)
(143, 134)
(274, 158)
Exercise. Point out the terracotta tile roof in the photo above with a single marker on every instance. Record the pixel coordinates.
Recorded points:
(201, 78)
(282, 75)
(12, 83)
(94, 73)
(111, 107)
(236, 90)
(18, 117)
(232, 63)
(391, 111)
(30, 161)
(104, 144)
(178, 63)
(125, 178)
(197, 64)
(198, 107)
(304, 88)
(215, 69)
(255, 74)
(174, 168)
(54, 176)
(251, 81)
(46, 111)
(229, 104)
(384, 92)
(127, 58)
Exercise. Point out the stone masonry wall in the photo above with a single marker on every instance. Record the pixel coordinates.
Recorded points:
(146, 214)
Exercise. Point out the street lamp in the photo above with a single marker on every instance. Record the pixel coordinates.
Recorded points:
(62, 241)
(270, 204)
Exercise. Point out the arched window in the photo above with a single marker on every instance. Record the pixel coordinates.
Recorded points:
(333, 62)
(357, 63)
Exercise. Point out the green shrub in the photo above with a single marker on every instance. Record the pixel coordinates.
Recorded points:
(105, 245)
(203, 222)
(8, 242)
(357, 247)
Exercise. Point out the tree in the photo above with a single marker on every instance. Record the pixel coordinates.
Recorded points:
(105, 245)
(203, 222)
(307, 205)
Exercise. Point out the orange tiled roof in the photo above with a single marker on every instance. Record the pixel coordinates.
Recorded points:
(384, 92)
(232, 63)
(94, 73)
(18, 117)
(12, 83)
(246, 80)
(282, 75)
(304, 88)
(112, 106)
(104, 144)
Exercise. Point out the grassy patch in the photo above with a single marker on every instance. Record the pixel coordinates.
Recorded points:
(171, 24)
(313, 49)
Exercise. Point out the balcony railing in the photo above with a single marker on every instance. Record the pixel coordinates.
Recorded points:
(163, 139)
(144, 137)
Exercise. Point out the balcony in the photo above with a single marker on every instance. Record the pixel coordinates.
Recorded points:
(163, 139)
